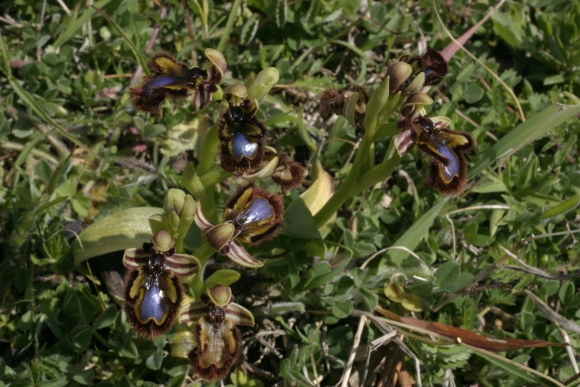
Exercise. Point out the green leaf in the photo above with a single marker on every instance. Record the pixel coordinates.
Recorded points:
(342, 309)
(60, 382)
(354, 49)
(370, 298)
(279, 308)
(561, 208)
(119, 231)
(106, 318)
(473, 93)
(566, 293)
(177, 380)
(83, 377)
(154, 360)
(319, 280)
(26, 151)
(479, 240)
(129, 349)
(523, 134)
(82, 340)
(411, 238)
(298, 221)
(134, 49)
(281, 12)
(31, 101)
(507, 365)
(222, 277)
(76, 25)
(446, 276)
(290, 369)
(24, 228)
(56, 175)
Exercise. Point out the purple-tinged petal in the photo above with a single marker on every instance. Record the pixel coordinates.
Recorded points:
(217, 65)
(239, 315)
(404, 142)
(133, 258)
(200, 219)
(194, 311)
(239, 255)
(182, 265)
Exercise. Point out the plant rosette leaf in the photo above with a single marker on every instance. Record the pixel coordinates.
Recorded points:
(119, 231)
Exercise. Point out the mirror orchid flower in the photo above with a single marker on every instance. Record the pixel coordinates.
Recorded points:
(217, 342)
(153, 292)
(251, 215)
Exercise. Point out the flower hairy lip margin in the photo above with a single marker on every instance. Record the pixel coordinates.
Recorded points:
(251, 215)
(217, 342)
(446, 148)
(153, 292)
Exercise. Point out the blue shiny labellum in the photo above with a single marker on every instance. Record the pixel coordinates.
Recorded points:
(161, 81)
(428, 71)
(259, 210)
(451, 166)
(151, 306)
(242, 147)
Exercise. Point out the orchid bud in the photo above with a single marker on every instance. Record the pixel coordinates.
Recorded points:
(174, 201)
(263, 83)
(420, 71)
(416, 85)
(398, 74)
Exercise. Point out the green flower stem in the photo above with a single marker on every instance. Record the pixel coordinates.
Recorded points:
(341, 194)
(359, 161)
(203, 253)
(375, 175)
(209, 208)
(353, 181)
(389, 129)
(215, 176)
(229, 25)
(206, 164)
(196, 286)
(179, 244)
(209, 151)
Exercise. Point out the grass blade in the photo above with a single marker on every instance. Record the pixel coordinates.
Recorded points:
(411, 238)
(523, 134)
(513, 367)
(77, 24)
(129, 42)
(31, 101)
